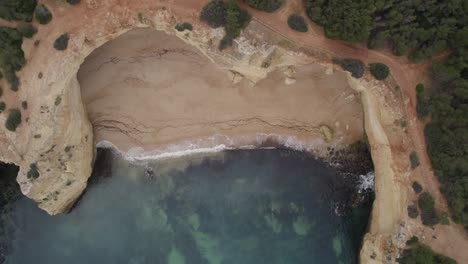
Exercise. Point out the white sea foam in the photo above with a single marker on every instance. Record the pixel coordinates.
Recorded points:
(213, 144)
(366, 182)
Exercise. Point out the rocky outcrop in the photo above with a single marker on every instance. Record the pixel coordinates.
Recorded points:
(381, 242)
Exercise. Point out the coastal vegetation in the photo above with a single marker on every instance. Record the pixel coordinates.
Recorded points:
(43, 15)
(419, 29)
(11, 55)
(227, 14)
(13, 120)
(27, 30)
(61, 43)
(379, 70)
(17, 10)
(33, 172)
(73, 2)
(414, 160)
(429, 215)
(184, 26)
(355, 67)
(447, 131)
(265, 5)
(417, 188)
(421, 254)
(297, 23)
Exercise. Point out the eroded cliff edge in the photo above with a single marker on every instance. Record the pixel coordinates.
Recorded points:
(58, 138)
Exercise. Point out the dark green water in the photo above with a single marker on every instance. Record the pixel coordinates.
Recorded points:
(243, 207)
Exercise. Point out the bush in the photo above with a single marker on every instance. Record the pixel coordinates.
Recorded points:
(13, 120)
(422, 254)
(426, 202)
(236, 19)
(355, 67)
(380, 71)
(11, 55)
(428, 213)
(43, 15)
(17, 9)
(419, 88)
(2, 106)
(412, 241)
(417, 188)
(422, 102)
(413, 211)
(73, 2)
(27, 30)
(24, 104)
(297, 23)
(1, 75)
(33, 172)
(1, 91)
(414, 160)
(61, 43)
(444, 219)
(183, 26)
(214, 14)
(265, 5)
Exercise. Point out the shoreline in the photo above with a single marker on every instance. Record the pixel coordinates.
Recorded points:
(340, 157)
(217, 143)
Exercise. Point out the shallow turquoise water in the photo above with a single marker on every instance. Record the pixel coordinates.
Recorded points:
(245, 206)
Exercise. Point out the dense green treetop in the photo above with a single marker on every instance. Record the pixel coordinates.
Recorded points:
(421, 27)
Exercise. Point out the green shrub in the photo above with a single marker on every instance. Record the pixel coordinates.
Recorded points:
(17, 9)
(422, 102)
(380, 71)
(419, 88)
(33, 172)
(11, 55)
(236, 19)
(184, 26)
(412, 241)
(43, 15)
(24, 104)
(297, 23)
(214, 14)
(228, 14)
(2, 106)
(417, 188)
(413, 211)
(414, 160)
(444, 219)
(13, 120)
(265, 5)
(355, 67)
(73, 2)
(27, 30)
(1, 75)
(422, 254)
(428, 213)
(61, 43)
(1, 91)
(425, 201)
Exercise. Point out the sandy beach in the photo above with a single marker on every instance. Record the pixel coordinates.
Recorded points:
(150, 90)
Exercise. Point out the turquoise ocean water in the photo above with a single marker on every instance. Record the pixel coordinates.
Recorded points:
(240, 206)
